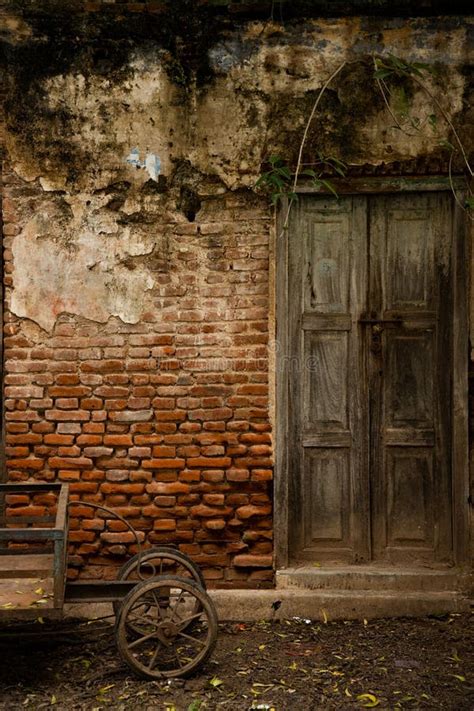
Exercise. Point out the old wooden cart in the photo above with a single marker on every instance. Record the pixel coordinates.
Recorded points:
(166, 623)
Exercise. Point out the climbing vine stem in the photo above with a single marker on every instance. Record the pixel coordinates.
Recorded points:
(390, 66)
(281, 182)
(305, 136)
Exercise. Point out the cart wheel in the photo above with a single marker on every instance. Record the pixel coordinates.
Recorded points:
(150, 628)
(160, 560)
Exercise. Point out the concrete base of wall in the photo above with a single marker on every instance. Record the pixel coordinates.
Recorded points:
(279, 604)
(333, 605)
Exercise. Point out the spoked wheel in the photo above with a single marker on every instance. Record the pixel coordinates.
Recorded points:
(160, 560)
(158, 631)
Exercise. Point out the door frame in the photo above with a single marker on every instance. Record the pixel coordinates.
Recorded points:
(460, 337)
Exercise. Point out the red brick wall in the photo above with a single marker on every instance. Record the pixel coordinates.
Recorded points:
(165, 420)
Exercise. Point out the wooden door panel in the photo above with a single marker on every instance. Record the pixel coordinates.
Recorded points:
(327, 475)
(327, 260)
(410, 292)
(409, 490)
(409, 257)
(409, 379)
(326, 371)
(327, 283)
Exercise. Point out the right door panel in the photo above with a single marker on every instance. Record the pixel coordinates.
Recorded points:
(409, 366)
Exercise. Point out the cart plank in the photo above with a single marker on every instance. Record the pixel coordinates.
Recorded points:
(26, 597)
(26, 566)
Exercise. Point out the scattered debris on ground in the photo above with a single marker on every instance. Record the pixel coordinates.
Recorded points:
(294, 664)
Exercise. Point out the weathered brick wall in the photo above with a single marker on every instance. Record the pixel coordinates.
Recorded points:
(165, 420)
(118, 121)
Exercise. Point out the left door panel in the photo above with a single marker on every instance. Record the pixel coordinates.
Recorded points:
(329, 508)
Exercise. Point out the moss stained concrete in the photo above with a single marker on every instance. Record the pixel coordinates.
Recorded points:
(158, 105)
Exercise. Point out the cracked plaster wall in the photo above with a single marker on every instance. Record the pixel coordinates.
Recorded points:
(79, 254)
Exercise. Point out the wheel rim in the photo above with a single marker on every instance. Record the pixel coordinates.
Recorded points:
(161, 560)
(157, 562)
(160, 634)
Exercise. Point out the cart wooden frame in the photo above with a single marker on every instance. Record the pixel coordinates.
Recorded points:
(166, 624)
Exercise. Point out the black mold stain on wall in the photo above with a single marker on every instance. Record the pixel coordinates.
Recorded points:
(102, 44)
(95, 45)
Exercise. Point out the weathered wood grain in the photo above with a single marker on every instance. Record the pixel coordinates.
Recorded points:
(374, 356)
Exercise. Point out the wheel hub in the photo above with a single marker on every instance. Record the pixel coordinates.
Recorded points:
(166, 632)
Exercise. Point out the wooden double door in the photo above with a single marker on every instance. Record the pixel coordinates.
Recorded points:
(370, 372)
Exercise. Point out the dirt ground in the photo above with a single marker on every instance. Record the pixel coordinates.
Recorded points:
(296, 664)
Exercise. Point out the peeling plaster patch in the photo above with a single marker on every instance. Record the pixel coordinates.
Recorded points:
(152, 163)
(134, 158)
(85, 274)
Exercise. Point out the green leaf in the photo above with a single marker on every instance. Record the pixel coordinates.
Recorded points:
(329, 186)
(396, 61)
(432, 120)
(340, 171)
(275, 160)
(469, 202)
(420, 67)
(285, 172)
(383, 73)
(401, 101)
(215, 682)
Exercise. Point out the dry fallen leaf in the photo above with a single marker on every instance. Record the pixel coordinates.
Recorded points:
(370, 699)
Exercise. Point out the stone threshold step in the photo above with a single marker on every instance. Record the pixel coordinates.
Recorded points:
(371, 578)
(334, 604)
